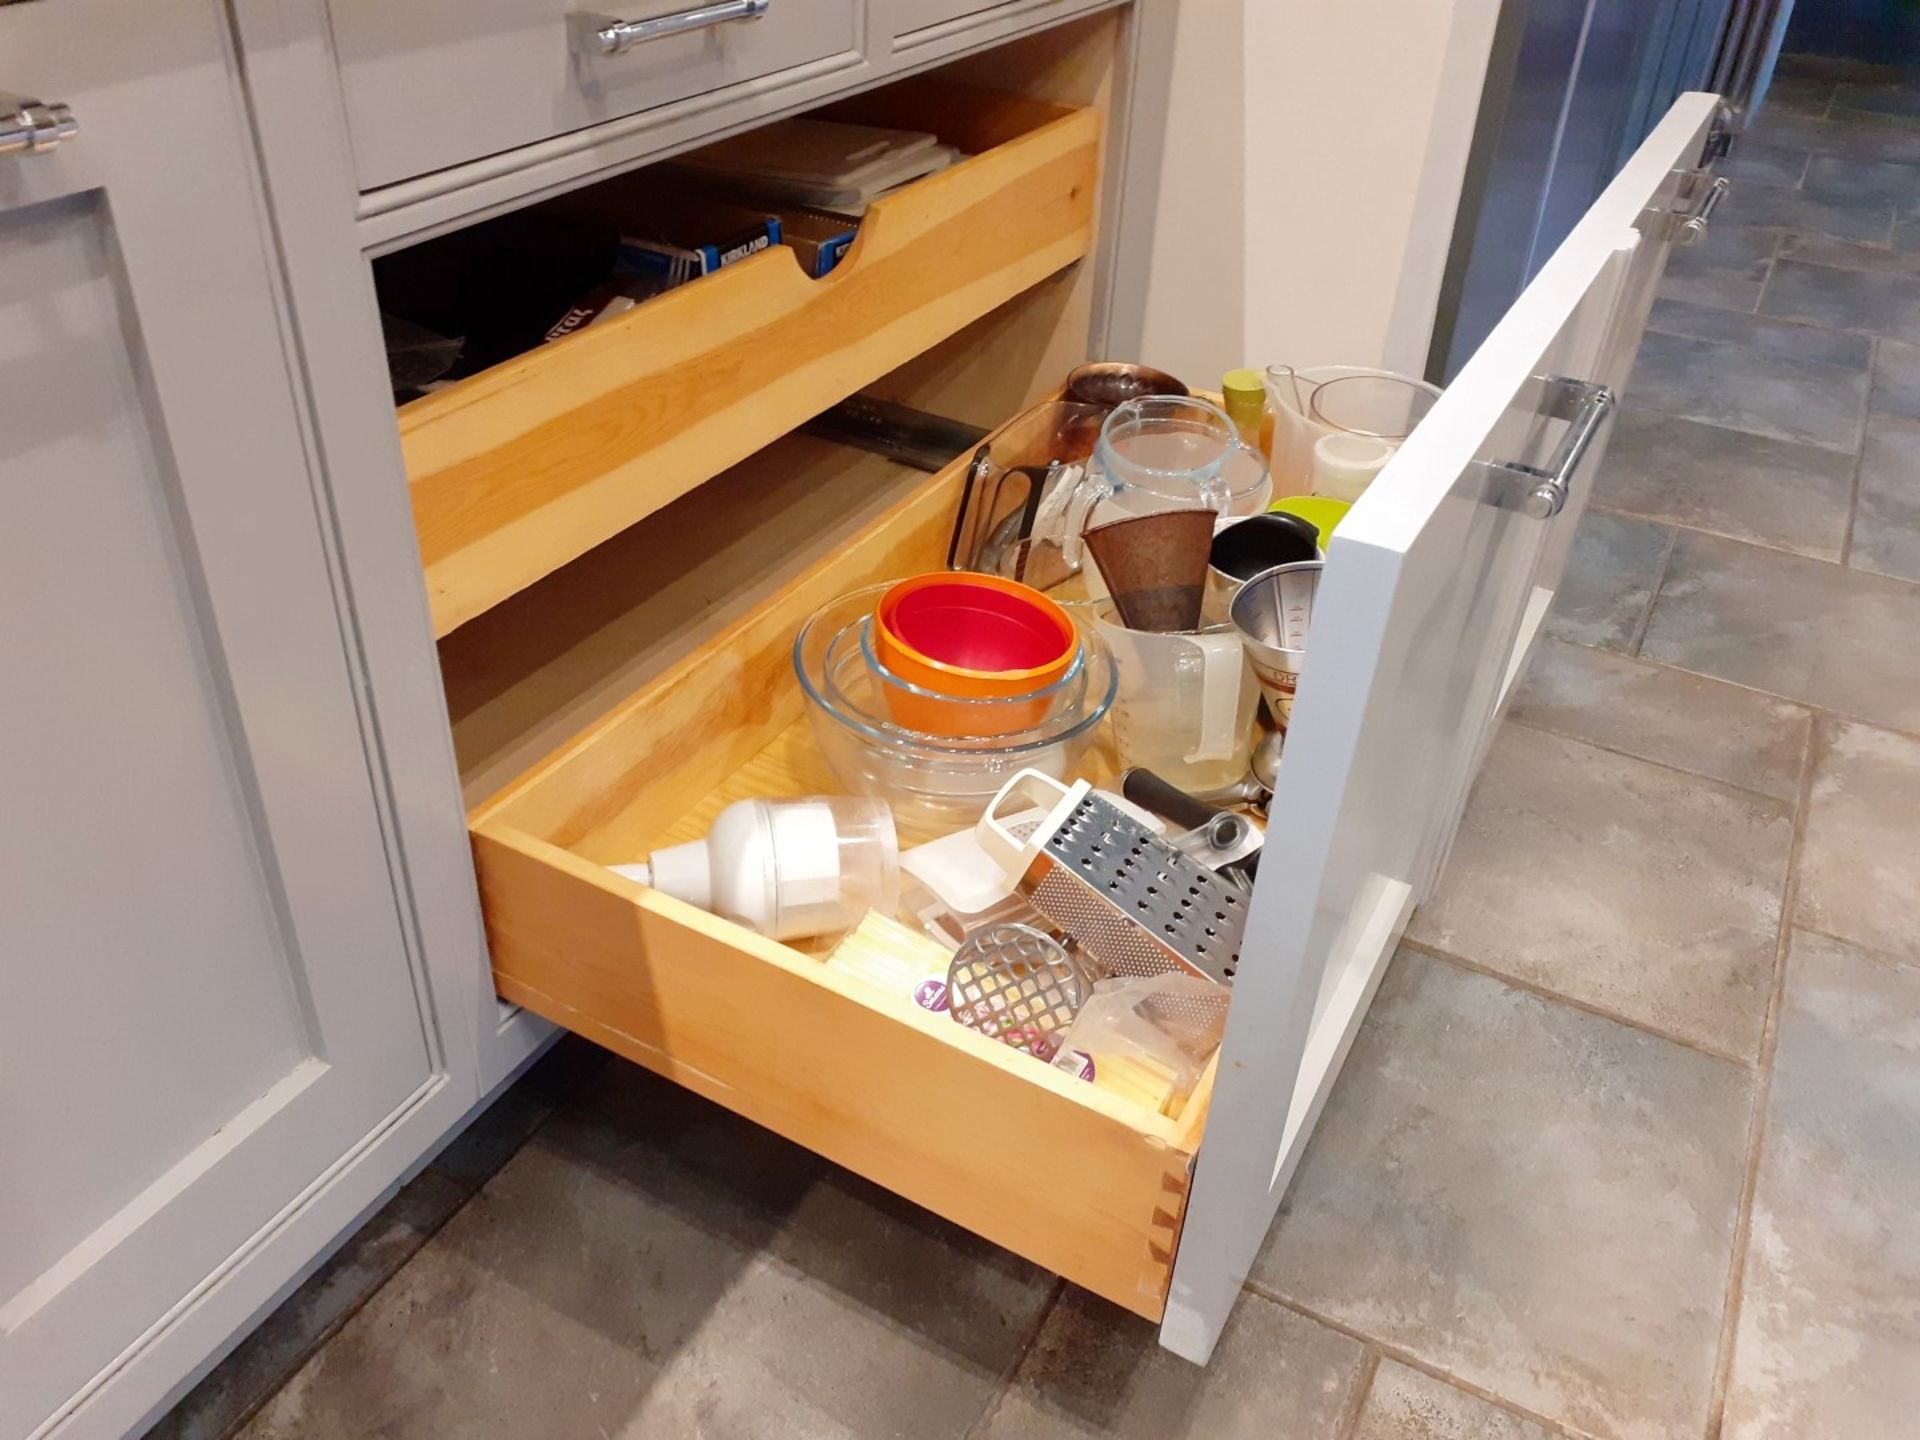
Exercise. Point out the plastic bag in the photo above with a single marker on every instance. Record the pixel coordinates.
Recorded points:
(1146, 1039)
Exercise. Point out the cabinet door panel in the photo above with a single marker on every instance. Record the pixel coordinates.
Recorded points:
(212, 1008)
(1433, 585)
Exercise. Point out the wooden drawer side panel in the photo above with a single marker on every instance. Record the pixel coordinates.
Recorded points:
(674, 741)
(1094, 1192)
(520, 469)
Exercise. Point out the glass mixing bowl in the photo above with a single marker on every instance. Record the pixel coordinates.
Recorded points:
(938, 780)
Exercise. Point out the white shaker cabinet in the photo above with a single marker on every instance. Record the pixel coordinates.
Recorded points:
(215, 1051)
(254, 934)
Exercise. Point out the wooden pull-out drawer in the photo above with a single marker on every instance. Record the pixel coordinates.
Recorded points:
(1433, 587)
(1086, 1184)
(523, 467)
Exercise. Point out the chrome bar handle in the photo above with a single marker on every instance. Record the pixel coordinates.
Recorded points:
(607, 35)
(1694, 228)
(33, 127)
(1587, 407)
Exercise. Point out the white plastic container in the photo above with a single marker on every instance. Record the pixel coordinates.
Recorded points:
(786, 868)
(1345, 465)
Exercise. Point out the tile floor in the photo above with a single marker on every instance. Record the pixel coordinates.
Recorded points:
(1634, 1152)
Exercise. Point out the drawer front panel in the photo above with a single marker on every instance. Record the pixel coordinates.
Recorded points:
(434, 83)
(909, 19)
(902, 1096)
(1431, 587)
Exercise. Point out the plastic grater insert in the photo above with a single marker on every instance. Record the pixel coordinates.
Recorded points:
(1016, 984)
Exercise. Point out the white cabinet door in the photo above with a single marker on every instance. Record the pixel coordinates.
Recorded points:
(215, 1050)
(1433, 583)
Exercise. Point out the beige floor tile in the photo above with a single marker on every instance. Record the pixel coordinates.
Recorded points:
(1828, 1342)
(1097, 1371)
(1404, 1404)
(1834, 638)
(1648, 893)
(1687, 721)
(1536, 1200)
(1772, 492)
(1859, 872)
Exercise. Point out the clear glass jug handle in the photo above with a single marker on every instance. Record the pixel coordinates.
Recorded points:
(1082, 497)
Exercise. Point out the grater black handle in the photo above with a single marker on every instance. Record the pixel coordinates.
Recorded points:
(1168, 801)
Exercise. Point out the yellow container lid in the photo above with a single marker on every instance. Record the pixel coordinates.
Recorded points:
(1243, 394)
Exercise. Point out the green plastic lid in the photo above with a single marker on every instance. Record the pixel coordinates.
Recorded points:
(1246, 380)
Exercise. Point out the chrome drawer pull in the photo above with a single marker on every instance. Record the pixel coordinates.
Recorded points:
(1694, 228)
(606, 35)
(1542, 492)
(32, 127)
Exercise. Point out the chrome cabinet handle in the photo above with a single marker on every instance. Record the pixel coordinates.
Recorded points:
(1694, 228)
(32, 127)
(1543, 490)
(606, 35)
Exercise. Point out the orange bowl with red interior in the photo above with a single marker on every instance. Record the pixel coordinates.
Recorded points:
(971, 637)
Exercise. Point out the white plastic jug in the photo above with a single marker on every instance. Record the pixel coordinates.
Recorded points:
(1297, 427)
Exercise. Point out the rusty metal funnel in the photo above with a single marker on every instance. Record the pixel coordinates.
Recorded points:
(1155, 567)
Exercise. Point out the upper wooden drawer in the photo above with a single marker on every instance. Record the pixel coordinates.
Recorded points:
(434, 83)
(525, 466)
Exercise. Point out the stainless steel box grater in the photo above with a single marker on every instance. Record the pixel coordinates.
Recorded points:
(1133, 902)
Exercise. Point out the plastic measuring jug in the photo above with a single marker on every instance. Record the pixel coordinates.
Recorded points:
(1185, 701)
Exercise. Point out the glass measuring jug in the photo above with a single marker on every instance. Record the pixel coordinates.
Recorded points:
(1159, 452)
